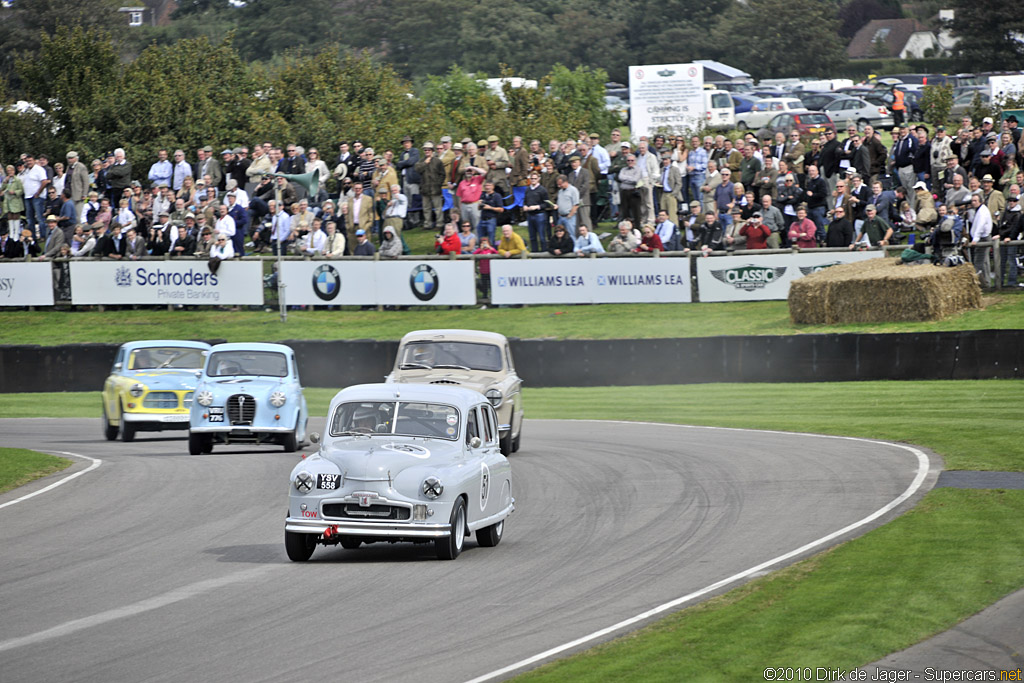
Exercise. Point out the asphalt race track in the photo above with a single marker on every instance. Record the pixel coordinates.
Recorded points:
(160, 566)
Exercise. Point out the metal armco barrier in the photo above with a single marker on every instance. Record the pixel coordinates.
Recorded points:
(973, 354)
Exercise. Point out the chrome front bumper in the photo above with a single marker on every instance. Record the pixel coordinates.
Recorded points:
(239, 430)
(376, 529)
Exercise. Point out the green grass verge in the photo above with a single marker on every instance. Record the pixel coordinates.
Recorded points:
(971, 422)
(19, 466)
(946, 559)
(1003, 311)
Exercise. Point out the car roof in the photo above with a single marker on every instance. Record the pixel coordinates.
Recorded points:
(147, 343)
(251, 346)
(454, 335)
(843, 99)
(438, 393)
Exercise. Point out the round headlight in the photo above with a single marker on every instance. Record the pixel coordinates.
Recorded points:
(137, 390)
(204, 397)
(494, 396)
(303, 482)
(277, 399)
(432, 487)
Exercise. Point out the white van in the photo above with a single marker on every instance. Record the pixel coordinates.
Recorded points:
(719, 112)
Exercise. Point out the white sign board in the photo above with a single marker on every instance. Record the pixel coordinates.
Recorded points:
(665, 98)
(385, 283)
(761, 278)
(190, 283)
(572, 280)
(26, 284)
(1003, 87)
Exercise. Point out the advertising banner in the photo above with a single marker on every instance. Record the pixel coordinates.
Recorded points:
(189, 283)
(590, 281)
(665, 98)
(26, 284)
(384, 283)
(761, 278)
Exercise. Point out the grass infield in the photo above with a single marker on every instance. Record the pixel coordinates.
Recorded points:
(19, 466)
(611, 321)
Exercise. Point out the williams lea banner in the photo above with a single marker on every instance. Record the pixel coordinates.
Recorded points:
(760, 278)
(26, 284)
(572, 280)
(190, 283)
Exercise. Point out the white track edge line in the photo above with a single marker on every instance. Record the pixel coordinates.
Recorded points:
(96, 462)
(924, 465)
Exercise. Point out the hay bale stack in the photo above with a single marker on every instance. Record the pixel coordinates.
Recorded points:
(882, 290)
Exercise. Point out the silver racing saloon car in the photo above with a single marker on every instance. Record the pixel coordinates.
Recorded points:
(401, 462)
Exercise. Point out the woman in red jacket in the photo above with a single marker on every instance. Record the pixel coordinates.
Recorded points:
(650, 241)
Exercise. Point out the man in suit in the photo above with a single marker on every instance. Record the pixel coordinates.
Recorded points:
(359, 212)
(112, 244)
(55, 238)
(135, 246)
(77, 179)
(671, 186)
(829, 159)
(431, 172)
(579, 178)
(208, 165)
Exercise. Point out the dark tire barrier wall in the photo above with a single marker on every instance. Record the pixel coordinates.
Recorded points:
(975, 354)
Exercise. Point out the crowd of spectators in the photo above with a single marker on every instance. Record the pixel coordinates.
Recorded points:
(668, 193)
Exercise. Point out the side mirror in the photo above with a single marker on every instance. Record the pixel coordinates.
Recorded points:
(475, 442)
(314, 437)
(199, 373)
(117, 367)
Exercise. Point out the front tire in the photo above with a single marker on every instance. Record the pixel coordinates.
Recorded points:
(195, 444)
(506, 443)
(109, 430)
(741, 125)
(299, 547)
(490, 536)
(350, 542)
(289, 442)
(450, 547)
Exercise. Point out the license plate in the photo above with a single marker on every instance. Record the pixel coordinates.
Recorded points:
(216, 414)
(175, 418)
(328, 482)
(817, 129)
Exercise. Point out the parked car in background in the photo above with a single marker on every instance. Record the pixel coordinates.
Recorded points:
(911, 99)
(150, 387)
(855, 110)
(614, 103)
(248, 393)
(763, 111)
(964, 102)
(816, 101)
(467, 358)
(742, 103)
(805, 122)
(415, 463)
(718, 109)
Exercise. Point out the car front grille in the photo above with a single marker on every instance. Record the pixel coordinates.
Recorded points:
(160, 400)
(241, 409)
(371, 513)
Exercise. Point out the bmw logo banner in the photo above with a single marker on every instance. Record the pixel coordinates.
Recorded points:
(385, 283)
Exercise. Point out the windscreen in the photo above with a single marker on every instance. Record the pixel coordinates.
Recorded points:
(396, 418)
(158, 357)
(229, 363)
(450, 354)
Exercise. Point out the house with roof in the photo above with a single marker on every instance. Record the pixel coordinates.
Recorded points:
(889, 38)
(149, 12)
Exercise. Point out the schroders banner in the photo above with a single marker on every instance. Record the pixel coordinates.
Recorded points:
(190, 283)
(572, 280)
(26, 284)
(761, 278)
(384, 283)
